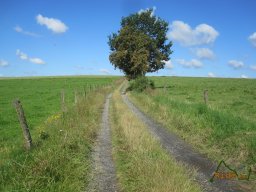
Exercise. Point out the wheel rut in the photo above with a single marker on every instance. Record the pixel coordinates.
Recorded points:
(103, 177)
(184, 153)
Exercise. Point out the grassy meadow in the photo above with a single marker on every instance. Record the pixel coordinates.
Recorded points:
(59, 159)
(224, 129)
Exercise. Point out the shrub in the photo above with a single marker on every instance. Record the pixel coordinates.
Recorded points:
(140, 84)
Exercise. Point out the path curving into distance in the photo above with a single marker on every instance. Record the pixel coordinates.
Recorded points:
(184, 153)
(104, 173)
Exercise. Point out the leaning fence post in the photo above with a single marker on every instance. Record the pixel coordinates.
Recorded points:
(23, 123)
(205, 96)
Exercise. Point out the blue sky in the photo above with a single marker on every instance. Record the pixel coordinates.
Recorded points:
(64, 37)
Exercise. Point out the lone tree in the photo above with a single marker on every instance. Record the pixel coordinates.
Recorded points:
(140, 46)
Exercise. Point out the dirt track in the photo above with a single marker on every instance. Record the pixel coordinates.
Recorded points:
(185, 153)
(104, 174)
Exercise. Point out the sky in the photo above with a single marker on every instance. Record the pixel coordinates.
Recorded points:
(211, 38)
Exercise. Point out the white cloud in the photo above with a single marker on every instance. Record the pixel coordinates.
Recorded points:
(244, 76)
(37, 61)
(252, 39)
(186, 36)
(168, 64)
(193, 63)
(24, 56)
(204, 53)
(53, 24)
(210, 74)
(21, 55)
(144, 10)
(3, 63)
(253, 67)
(20, 30)
(106, 71)
(236, 64)
(141, 11)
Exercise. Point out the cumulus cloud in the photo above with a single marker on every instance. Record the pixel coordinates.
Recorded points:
(53, 24)
(18, 29)
(244, 76)
(236, 64)
(21, 55)
(252, 39)
(210, 74)
(168, 64)
(193, 63)
(3, 63)
(144, 10)
(105, 71)
(253, 67)
(24, 56)
(204, 53)
(186, 36)
(37, 61)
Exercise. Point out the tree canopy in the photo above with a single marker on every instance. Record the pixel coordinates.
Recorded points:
(140, 46)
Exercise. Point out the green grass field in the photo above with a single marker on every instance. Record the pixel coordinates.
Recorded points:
(224, 129)
(61, 141)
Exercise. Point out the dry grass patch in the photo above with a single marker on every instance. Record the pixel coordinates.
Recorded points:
(142, 165)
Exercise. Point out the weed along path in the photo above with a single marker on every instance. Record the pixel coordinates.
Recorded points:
(103, 174)
(183, 152)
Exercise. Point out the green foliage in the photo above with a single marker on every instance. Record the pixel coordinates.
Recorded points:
(140, 45)
(140, 84)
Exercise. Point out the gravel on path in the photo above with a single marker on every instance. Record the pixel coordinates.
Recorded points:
(103, 178)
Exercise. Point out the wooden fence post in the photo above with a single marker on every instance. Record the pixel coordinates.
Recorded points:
(23, 124)
(206, 96)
